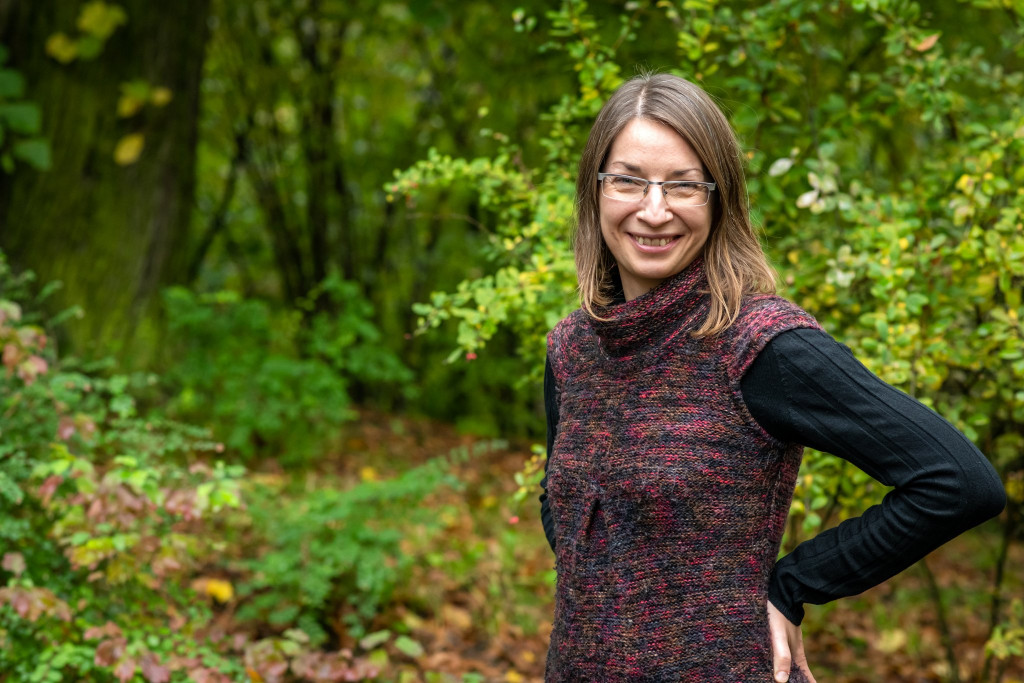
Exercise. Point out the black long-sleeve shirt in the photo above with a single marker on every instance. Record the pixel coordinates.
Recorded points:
(805, 387)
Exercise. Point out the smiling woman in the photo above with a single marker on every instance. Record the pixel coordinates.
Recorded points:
(679, 399)
(649, 239)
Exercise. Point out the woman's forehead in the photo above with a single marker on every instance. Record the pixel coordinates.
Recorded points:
(644, 145)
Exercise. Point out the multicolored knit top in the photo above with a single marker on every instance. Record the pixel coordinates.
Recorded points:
(669, 500)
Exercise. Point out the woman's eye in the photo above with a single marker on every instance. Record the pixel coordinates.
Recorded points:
(684, 189)
(626, 182)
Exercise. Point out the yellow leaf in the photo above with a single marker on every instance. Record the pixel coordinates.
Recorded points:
(100, 19)
(128, 149)
(368, 474)
(514, 677)
(128, 106)
(62, 48)
(219, 589)
(161, 96)
(927, 43)
(891, 641)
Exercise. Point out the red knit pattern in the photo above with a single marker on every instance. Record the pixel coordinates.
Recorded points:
(668, 499)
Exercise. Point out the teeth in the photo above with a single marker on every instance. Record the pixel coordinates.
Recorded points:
(653, 243)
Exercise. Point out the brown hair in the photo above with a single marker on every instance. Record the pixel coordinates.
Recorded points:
(733, 257)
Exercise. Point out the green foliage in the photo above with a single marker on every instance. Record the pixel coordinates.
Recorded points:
(341, 553)
(921, 278)
(20, 123)
(267, 381)
(884, 145)
(102, 519)
(1008, 638)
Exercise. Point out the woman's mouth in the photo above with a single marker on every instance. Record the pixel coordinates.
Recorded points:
(653, 244)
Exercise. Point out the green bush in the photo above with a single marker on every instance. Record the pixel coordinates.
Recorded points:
(104, 516)
(334, 557)
(272, 382)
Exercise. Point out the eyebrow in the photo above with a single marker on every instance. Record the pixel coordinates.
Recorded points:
(636, 169)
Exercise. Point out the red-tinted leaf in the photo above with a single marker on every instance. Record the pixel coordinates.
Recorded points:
(22, 604)
(204, 675)
(49, 487)
(125, 670)
(14, 563)
(153, 670)
(65, 428)
(108, 630)
(109, 651)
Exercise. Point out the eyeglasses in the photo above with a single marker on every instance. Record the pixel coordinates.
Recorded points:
(627, 188)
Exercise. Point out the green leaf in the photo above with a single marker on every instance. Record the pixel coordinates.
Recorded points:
(9, 489)
(408, 646)
(21, 117)
(36, 152)
(12, 85)
(89, 47)
(374, 639)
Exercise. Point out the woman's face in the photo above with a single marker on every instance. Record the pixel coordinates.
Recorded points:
(651, 150)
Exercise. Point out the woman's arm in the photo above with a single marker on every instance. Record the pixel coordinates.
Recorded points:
(551, 410)
(806, 387)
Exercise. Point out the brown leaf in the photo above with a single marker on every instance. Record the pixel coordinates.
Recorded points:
(109, 630)
(927, 43)
(109, 651)
(11, 355)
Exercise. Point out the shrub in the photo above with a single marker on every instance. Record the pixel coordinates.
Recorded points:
(273, 382)
(103, 518)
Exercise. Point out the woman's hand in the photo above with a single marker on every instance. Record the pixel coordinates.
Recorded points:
(787, 646)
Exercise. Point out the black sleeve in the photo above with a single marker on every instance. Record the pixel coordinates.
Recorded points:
(551, 410)
(806, 387)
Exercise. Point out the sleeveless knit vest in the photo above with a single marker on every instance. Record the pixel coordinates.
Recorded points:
(668, 499)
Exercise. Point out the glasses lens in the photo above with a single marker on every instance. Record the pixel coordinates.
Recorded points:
(687, 194)
(622, 187)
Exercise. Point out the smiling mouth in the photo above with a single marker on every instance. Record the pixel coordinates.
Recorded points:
(654, 242)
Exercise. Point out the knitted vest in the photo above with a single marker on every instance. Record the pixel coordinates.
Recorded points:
(668, 499)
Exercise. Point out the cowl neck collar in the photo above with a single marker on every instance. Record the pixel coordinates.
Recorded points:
(632, 325)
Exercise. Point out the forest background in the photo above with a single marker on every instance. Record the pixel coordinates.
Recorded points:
(275, 281)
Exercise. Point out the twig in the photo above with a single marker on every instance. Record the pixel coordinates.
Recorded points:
(1009, 529)
(947, 638)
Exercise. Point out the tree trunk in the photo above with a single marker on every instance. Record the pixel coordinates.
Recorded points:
(113, 234)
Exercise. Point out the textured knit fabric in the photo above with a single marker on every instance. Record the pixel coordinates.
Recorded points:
(668, 499)
(806, 387)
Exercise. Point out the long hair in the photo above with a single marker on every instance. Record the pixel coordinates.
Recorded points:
(733, 258)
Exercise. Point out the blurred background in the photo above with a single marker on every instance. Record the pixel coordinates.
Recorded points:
(275, 278)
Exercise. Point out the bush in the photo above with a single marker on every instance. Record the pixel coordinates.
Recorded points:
(103, 518)
(335, 557)
(273, 382)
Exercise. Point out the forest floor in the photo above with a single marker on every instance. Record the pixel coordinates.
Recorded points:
(483, 602)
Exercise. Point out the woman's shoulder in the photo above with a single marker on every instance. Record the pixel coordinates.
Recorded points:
(761, 318)
(764, 312)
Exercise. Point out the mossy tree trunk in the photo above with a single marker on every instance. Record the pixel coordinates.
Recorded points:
(114, 234)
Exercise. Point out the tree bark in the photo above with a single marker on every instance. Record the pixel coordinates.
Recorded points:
(113, 234)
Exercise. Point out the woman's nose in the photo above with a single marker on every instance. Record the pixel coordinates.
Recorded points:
(654, 207)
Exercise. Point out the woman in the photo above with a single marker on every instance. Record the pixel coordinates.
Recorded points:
(680, 398)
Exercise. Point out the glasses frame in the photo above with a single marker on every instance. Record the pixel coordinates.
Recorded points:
(648, 183)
